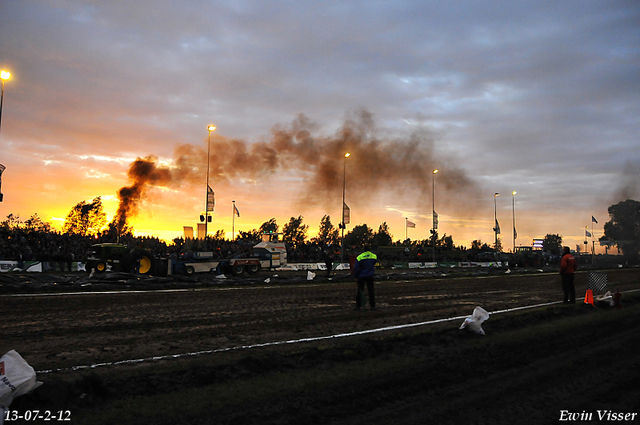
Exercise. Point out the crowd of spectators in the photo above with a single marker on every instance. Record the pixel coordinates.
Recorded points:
(61, 249)
(19, 245)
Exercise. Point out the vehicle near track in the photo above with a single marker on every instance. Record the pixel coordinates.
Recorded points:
(119, 258)
(272, 251)
(268, 254)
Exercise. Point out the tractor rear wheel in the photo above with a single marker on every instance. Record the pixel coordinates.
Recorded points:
(142, 260)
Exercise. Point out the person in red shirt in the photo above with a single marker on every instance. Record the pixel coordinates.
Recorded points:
(568, 266)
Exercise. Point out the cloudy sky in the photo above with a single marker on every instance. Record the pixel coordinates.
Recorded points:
(536, 97)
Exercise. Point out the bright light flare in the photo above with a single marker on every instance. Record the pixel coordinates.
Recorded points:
(5, 75)
(211, 127)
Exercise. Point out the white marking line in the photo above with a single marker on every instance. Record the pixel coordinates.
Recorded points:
(292, 341)
(154, 291)
(269, 344)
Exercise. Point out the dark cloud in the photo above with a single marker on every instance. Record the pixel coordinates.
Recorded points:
(543, 92)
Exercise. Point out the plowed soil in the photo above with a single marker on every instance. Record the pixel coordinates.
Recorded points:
(97, 350)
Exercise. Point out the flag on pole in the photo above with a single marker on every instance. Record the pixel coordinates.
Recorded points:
(497, 228)
(235, 210)
(435, 220)
(2, 168)
(593, 220)
(346, 214)
(411, 224)
(211, 199)
(515, 234)
(587, 233)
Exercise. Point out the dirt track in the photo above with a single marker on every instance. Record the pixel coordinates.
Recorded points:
(59, 331)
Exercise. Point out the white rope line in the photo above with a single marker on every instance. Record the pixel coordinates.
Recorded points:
(292, 341)
(286, 342)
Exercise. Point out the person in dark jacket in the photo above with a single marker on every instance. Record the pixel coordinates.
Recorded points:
(328, 261)
(364, 271)
(568, 266)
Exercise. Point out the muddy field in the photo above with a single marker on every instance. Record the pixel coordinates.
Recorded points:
(226, 337)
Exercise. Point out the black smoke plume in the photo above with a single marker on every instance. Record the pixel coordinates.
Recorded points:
(399, 166)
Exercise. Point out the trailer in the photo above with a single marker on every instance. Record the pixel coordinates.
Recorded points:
(269, 254)
(205, 262)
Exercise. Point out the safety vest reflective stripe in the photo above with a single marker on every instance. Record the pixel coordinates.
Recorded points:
(367, 256)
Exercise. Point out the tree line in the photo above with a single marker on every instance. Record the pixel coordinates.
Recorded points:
(88, 220)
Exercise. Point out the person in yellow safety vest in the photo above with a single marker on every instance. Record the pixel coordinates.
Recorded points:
(364, 270)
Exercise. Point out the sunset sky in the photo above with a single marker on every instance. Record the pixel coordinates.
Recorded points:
(538, 97)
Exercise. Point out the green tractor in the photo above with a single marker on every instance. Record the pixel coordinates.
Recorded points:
(120, 257)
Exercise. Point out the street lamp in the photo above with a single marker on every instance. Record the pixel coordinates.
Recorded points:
(513, 209)
(433, 210)
(344, 187)
(4, 76)
(210, 128)
(496, 229)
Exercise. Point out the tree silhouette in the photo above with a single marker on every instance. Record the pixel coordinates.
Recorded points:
(552, 244)
(359, 236)
(86, 219)
(624, 227)
(327, 233)
(294, 232)
(383, 236)
(269, 226)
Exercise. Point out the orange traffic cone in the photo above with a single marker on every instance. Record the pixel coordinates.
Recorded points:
(588, 298)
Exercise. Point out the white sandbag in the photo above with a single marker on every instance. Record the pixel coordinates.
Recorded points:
(310, 275)
(474, 322)
(16, 378)
(606, 299)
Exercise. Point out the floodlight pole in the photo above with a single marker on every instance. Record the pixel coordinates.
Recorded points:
(513, 208)
(210, 128)
(4, 76)
(495, 220)
(344, 189)
(433, 211)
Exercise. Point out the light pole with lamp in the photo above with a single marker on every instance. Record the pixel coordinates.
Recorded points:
(210, 128)
(344, 188)
(513, 213)
(496, 229)
(433, 210)
(4, 76)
